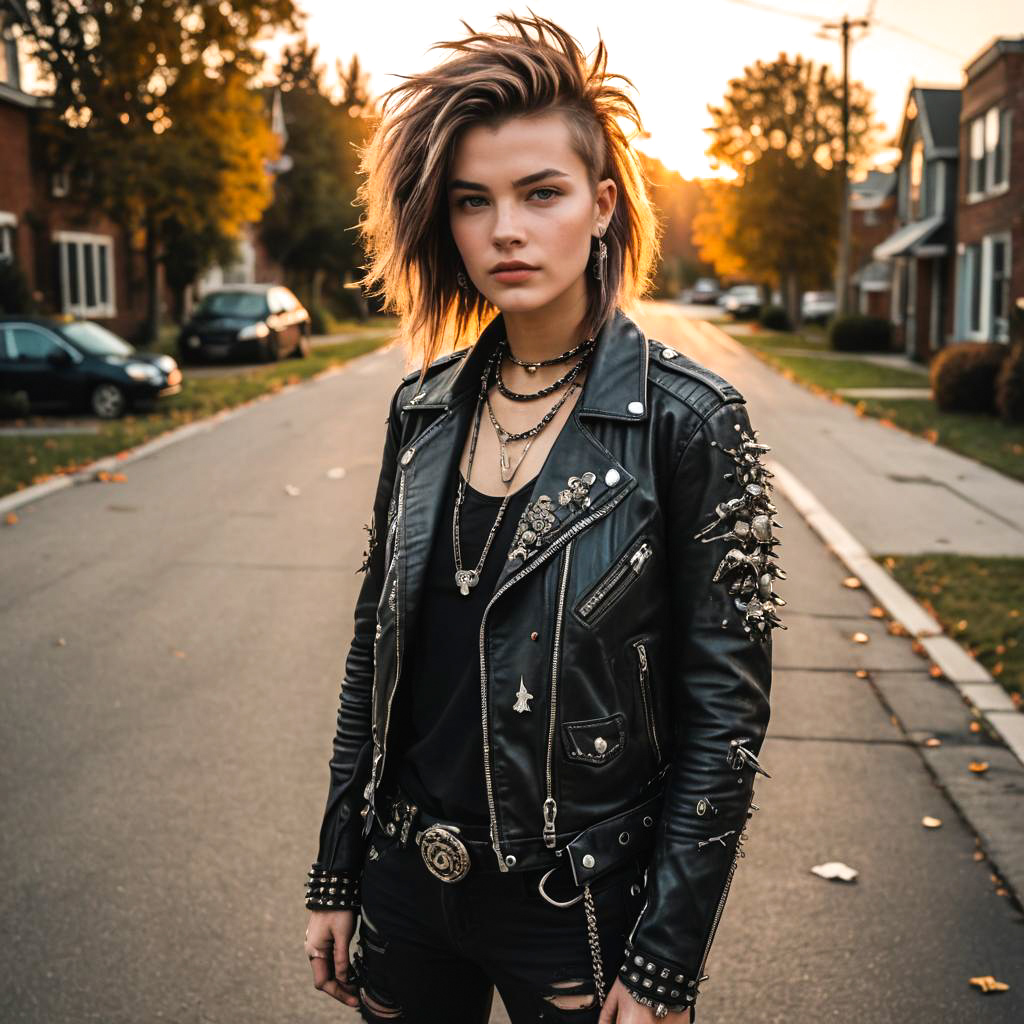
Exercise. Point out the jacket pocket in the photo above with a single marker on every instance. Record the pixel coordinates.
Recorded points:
(595, 740)
(614, 583)
(643, 670)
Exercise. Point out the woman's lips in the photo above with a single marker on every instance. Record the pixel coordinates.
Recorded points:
(511, 276)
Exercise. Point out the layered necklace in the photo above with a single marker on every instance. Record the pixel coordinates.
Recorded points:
(467, 578)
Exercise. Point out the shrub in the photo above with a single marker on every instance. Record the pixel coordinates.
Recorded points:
(963, 376)
(857, 332)
(775, 318)
(1010, 385)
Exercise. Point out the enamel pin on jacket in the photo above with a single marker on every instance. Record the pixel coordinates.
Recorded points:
(625, 655)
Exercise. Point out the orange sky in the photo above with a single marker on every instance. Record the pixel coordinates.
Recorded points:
(681, 55)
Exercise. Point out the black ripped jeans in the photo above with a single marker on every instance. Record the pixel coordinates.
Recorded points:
(431, 950)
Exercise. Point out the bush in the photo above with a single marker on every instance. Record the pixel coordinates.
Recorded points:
(857, 332)
(963, 376)
(775, 318)
(318, 319)
(1010, 385)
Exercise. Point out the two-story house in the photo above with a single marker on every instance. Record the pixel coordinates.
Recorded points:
(872, 220)
(921, 248)
(990, 193)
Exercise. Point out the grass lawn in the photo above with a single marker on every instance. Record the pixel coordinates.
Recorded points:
(28, 460)
(984, 438)
(979, 601)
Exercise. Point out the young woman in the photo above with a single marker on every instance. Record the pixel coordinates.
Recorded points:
(563, 638)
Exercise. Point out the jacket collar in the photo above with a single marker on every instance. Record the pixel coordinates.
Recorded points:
(615, 385)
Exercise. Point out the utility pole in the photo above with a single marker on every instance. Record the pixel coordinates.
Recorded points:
(843, 262)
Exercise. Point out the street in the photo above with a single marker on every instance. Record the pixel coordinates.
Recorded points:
(174, 647)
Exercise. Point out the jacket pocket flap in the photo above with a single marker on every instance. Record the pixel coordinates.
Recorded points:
(595, 740)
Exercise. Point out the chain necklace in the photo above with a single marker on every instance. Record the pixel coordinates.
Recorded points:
(466, 578)
(531, 367)
(548, 389)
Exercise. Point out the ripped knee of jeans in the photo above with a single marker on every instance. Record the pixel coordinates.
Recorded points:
(571, 995)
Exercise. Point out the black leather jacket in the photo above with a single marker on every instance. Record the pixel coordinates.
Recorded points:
(637, 604)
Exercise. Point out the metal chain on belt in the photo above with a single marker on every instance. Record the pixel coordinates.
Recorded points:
(595, 943)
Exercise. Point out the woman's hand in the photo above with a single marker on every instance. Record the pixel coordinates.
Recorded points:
(327, 940)
(621, 1008)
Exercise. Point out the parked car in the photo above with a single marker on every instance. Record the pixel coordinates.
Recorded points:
(265, 322)
(705, 291)
(80, 365)
(742, 300)
(817, 306)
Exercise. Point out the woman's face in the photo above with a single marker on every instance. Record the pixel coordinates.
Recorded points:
(519, 192)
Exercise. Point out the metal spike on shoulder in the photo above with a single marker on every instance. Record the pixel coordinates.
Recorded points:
(665, 355)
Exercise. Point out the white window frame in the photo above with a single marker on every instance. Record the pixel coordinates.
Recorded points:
(8, 223)
(982, 252)
(981, 153)
(105, 250)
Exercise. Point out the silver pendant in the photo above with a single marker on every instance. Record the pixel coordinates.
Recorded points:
(466, 578)
(522, 696)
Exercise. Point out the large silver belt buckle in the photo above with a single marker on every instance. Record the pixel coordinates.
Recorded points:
(444, 853)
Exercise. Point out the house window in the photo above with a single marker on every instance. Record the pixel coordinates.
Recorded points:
(989, 168)
(916, 179)
(8, 222)
(86, 266)
(974, 288)
(1000, 289)
(986, 289)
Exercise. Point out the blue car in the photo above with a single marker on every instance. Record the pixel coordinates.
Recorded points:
(79, 365)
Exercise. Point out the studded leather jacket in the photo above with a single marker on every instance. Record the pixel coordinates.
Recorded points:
(636, 601)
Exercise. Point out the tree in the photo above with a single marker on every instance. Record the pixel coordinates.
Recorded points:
(152, 100)
(779, 129)
(309, 227)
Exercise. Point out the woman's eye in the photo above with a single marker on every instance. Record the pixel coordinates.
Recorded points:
(544, 188)
(468, 200)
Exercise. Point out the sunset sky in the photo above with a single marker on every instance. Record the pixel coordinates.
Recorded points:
(681, 55)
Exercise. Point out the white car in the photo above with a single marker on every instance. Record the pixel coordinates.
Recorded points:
(817, 306)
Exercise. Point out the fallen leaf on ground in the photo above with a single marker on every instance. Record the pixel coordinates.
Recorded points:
(935, 672)
(933, 741)
(989, 984)
(335, 472)
(975, 727)
(877, 613)
(851, 582)
(862, 673)
(835, 869)
(860, 638)
(291, 490)
(978, 766)
(929, 822)
(11, 518)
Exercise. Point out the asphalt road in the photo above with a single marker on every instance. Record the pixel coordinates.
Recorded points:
(172, 652)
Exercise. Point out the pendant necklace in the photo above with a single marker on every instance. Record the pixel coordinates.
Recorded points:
(466, 578)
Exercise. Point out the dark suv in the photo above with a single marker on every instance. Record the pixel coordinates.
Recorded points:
(264, 322)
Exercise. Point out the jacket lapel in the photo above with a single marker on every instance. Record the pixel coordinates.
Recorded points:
(578, 482)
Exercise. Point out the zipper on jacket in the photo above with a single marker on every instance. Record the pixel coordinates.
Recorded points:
(550, 808)
(374, 774)
(725, 892)
(623, 572)
(646, 696)
(541, 556)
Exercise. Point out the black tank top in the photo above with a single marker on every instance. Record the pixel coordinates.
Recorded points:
(436, 739)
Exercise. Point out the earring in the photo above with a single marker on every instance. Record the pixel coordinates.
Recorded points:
(463, 282)
(600, 258)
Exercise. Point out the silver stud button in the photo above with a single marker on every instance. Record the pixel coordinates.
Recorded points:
(407, 457)
(611, 477)
(669, 353)
(510, 860)
(635, 407)
(588, 860)
(600, 744)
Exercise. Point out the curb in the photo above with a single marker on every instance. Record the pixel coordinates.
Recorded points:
(983, 694)
(986, 697)
(110, 463)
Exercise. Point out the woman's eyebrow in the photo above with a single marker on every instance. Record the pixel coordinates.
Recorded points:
(548, 172)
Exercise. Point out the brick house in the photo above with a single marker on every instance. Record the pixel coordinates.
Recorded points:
(872, 220)
(990, 193)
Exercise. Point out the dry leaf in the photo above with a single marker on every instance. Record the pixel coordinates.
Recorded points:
(118, 478)
(989, 984)
(852, 582)
(860, 638)
(180, 654)
(933, 741)
(60, 642)
(836, 870)
(935, 672)
(11, 518)
(929, 822)
(978, 855)
(896, 628)
(862, 673)
(335, 472)
(877, 613)
(291, 490)
(978, 766)
(975, 726)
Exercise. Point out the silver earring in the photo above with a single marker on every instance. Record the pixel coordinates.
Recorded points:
(463, 283)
